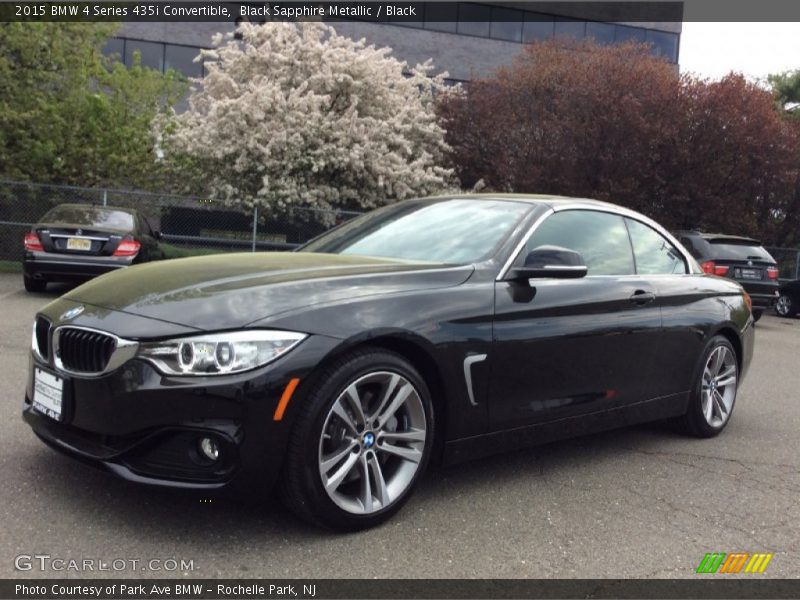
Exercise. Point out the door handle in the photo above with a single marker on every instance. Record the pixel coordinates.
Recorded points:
(641, 297)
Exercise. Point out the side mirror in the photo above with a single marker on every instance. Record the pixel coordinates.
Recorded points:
(551, 261)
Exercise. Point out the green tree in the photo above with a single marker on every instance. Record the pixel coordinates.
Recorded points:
(68, 114)
(786, 89)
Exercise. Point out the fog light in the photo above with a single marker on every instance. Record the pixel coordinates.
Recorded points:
(209, 448)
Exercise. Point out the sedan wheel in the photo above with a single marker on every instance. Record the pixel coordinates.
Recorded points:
(784, 306)
(372, 442)
(712, 401)
(361, 442)
(719, 386)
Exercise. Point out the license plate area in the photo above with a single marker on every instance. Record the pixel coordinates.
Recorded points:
(748, 273)
(79, 244)
(49, 394)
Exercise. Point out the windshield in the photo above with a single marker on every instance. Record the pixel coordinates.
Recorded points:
(450, 231)
(90, 216)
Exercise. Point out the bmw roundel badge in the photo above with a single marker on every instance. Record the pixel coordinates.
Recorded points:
(72, 313)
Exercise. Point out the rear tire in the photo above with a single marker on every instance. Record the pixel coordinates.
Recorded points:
(713, 395)
(34, 285)
(784, 307)
(360, 443)
(757, 314)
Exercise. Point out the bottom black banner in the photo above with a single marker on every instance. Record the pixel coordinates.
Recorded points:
(225, 589)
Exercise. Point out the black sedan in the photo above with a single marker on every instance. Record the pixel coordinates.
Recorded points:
(74, 242)
(442, 328)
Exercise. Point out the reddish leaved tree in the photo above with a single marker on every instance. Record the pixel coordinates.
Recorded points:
(617, 124)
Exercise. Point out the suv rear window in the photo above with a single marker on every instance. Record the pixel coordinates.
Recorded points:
(739, 251)
(90, 216)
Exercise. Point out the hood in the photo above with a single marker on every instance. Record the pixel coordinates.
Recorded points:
(226, 291)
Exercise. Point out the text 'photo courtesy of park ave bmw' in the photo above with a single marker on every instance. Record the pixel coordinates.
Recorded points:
(499, 293)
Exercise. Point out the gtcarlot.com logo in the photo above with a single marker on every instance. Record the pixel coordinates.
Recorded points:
(735, 562)
(46, 562)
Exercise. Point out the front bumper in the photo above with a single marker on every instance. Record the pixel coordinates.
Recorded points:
(145, 427)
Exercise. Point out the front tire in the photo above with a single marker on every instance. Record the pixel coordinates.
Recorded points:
(757, 315)
(784, 307)
(714, 394)
(361, 442)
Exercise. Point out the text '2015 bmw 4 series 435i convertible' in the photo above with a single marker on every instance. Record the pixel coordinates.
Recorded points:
(445, 328)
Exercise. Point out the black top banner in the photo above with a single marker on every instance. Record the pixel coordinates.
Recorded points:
(378, 12)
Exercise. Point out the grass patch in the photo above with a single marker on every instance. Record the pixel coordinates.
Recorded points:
(171, 251)
(10, 266)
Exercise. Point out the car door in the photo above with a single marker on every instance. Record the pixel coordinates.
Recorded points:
(682, 298)
(568, 347)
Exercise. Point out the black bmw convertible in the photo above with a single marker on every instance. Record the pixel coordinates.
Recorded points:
(434, 329)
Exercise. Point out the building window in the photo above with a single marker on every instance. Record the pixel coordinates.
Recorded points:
(600, 33)
(474, 19)
(524, 26)
(115, 48)
(570, 29)
(157, 55)
(664, 44)
(181, 58)
(537, 27)
(507, 24)
(629, 34)
(152, 53)
(436, 18)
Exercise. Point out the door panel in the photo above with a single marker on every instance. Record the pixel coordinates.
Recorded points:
(570, 347)
(690, 307)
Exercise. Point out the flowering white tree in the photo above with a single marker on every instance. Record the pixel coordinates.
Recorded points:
(296, 115)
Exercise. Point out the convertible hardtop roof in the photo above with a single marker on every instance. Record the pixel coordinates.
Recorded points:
(546, 199)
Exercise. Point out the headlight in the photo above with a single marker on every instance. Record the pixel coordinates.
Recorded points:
(218, 353)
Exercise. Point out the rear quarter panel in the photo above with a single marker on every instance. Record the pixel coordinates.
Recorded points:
(694, 308)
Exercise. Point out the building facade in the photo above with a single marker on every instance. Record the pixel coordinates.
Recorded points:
(482, 38)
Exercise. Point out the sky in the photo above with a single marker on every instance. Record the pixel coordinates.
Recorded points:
(755, 49)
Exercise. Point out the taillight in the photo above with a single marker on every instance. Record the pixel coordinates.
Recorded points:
(711, 268)
(748, 301)
(127, 248)
(772, 272)
(33, 243)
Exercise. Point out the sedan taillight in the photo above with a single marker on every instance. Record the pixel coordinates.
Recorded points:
(711, 268)
(33, 243)
(772, 272)
(127, 248)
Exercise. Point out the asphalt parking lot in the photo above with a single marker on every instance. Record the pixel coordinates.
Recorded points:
(638, 502)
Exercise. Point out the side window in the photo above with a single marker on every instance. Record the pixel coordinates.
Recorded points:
(601, 238)
(654, 254)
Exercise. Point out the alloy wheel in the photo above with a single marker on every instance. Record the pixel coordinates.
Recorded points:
(783, 306)
(718, 388)
(372, 442)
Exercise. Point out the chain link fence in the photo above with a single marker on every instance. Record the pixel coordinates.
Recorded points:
(186, 224)
(189, 225)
